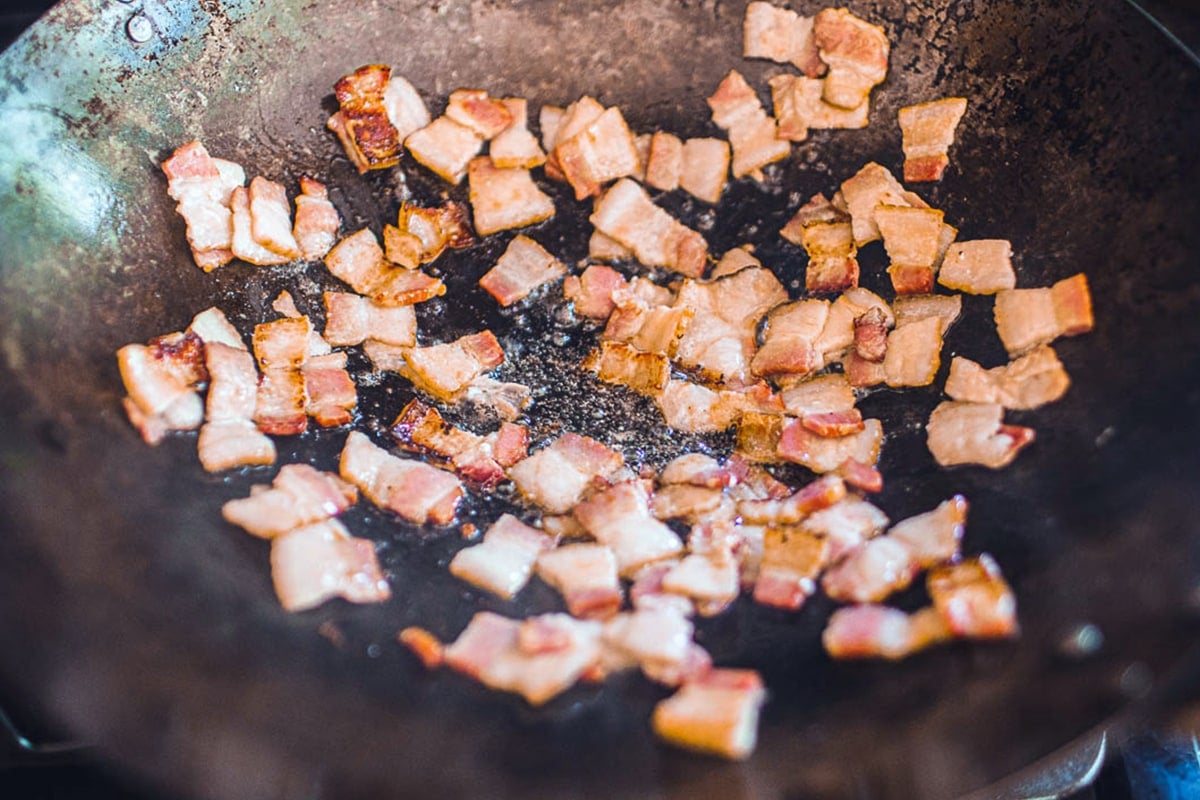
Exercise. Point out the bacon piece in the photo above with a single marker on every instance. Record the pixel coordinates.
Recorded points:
(317, 222)
(720, 341)
(424, 645)
(300, 495)
(625, 365)
(233, 443)
(586, 576)
(418, 492)
(696, 469)
(693, 408)
(646, 593)
(933, 537)
(420, 235)
(789, 340)
(871, 631)
(800, 106)
(823, 394)
(358, 260)
(974, 433)
(861, 476)
(229, 438)
(281, 348)
(983, 266)
(1026, 318)
(213, 327)
(404, 107)
(842, 423)
(362, 123)
(515, 147)
(476, 110)
(601, 151)
(351, 319)
(791, 509)
(912, 237)
(626, 214)
(505, 198)
(160, 380)
(523, 267)
(792, 558)
(914, 353)
(871, 187)
(914, 308)
(592, 291)
(780, 35)
(927, 130)
(973, 599)
(665, 161)
(505, 400)
(549, 119)
(645, 327)
(244, 245)
(606, 248)
(856, 52)
(445, 370)
(422, 429)
(556, 477)
(202, 187)
(271, 219)
(503, 561)
(1028, 382)
(735, 259)
(620, 518)
(691, 503)
(862, 373)
(710, 580)
(820, 454)
(838, 335)
(871, 336)
(657, 639)
(332, 395)
(845, 525)
(752, 132)
(445, 147)
(717, 714)
(490, 651)
(826, 235)
(318, 562)
(758, 437)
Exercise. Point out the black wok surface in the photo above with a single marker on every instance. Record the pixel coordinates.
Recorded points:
(133, 614)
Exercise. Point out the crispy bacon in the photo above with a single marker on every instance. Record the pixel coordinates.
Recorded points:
(1026, 318)
(515, 147)
(696, 469)
(592, 291)
(422, 234)
(800, 107)
(445, 147)
(717, 714)
(586, 576)
(625, 365)
(914, 353)
(983, 266)
(648, 328)
(856, 52)
(973, 599)
(928, 131)
(871, 187)
(863, 477)
(820, 454)
(160, 380)
(505, 198)
(480, 459)
(780, 35)
(912, 237)
(792, 558)
(404, 107)
(503, 562)
(271, 219)
(752, 132)
(657, 639)
(601, 151)
(690, 503)
(626, 214)
(914, 308)
(620, 518)
(665, 161)
(838, 335)
(557, 477)
(789, 340)
(318, 562)
(827, 236)
(758, 437)
(974, 433)
(911, 278)
(358, 260)
(710, 580)
(791, 509)
(351, 319)
(842, 423)
(300, 495)
(362, 124)
(871, 631)
(418, 492)
(1028, 382)
(523, 267)
(871, 335)
(244, 245)
(446, 370)
(281, 348)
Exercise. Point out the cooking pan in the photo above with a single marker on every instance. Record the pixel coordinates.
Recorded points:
(136, 617)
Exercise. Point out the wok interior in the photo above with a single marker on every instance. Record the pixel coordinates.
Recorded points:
(151, 626)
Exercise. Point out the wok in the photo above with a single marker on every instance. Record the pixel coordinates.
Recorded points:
(136, 617)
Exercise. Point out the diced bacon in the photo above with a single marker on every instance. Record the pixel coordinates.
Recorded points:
(271, 219)
(233, 443)
(1028, 382)
(790, 337)
(230, 438)
(758, 437)
(698, 409)
(983, 266)
(281, 403)
(586, 576)
(318, 562)
(871, 336)
(658, 639)
(505, 198)
(418, 492)
(244, 245)
(420, 234)
(709, 580)
(161, 376)
(665, 161)
(351, 319)
(641, 143)
(875, 570)
(1072, 301)
(714, 715)
(791, 509)
(914, 353)
(557, 477)
(405, 287)
(282, 343)
(720, 341)
(358, 261)
(841, 423)
(625, 365)
(861, 373)
(973, 599)
(523, 267)
(863, 477)
(703, 169)
(563, 526)
(696, 469)
(800, 107)
(845, 525)
(606, 248)
(424, 645)
(974, 433)
(856, 52)
(928, 131)
(445, 148)
(332, 395)
(421, 429)
(445, 370)
(202, 190)
(933, 537)
(871, 631)
(752, 133)
(620, 518)
(691, 503)
(1026, 318)
(914, 308)
(824, 394)
(404, 107)
(735, 259)
(626, 213)
(574, 120)
(505, 400)
(838, 335)
(792, 559)
(871, 187)
(317, 222)
(503, 561)
(592, 291)
(299, 496)
(826, 235)
(819, 208)
(510, 444)
(910, 235)
(820, 454)
(489, 651)
(549, 118)
(476, 110)
(361, 123)
(385, 357)
(515, 147)
(780, 35)
(601, 152)
(650, 329)
(646, 592)
(754, 482)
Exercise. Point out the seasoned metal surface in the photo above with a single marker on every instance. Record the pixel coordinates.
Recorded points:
(149, 626)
